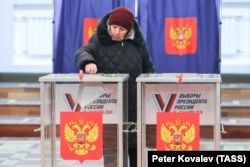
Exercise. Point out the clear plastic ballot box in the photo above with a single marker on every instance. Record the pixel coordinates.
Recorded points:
(172, 92)
(70, 139)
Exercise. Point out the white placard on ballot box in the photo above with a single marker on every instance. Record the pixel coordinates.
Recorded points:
(106, 93)
(191, 92)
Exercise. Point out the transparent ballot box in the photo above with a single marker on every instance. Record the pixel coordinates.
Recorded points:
(160, 96)
(82, 120)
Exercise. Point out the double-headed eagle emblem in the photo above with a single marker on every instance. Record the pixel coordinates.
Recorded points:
(81, 136)
(180, 36)
(91, 30)
(177, 135)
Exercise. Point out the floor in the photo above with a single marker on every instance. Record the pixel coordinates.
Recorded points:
(20, 152)
(25, 152)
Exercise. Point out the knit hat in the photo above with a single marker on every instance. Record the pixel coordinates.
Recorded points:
(121, 16)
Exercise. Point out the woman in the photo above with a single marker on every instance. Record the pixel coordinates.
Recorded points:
(118, 46)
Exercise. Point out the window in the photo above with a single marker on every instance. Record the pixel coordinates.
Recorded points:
(32, 35)
(28, 36)
(235, 36)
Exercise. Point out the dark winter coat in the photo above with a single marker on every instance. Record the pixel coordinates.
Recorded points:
(129, 56)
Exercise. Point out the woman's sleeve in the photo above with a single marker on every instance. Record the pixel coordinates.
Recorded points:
(86, 53)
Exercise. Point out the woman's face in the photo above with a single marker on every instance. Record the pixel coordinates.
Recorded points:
(117, 33)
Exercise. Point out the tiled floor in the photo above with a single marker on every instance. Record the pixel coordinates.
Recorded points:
(25, 152)
(20, 152)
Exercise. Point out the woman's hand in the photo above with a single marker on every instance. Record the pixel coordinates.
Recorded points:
(91, 68)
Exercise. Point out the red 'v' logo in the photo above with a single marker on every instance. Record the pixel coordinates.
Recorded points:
(164, 106)
(71, 103)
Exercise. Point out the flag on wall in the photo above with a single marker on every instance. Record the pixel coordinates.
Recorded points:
(89, 28)
(177, 131)
(81, 135)
(71, 19)
(183, 35)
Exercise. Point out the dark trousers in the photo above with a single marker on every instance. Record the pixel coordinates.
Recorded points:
(110, 158)
(132, 153)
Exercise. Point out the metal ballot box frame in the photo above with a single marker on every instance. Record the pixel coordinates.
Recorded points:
(197, 87)
(94, 92)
